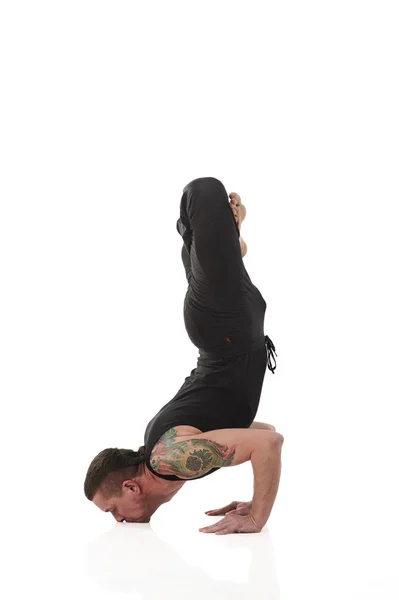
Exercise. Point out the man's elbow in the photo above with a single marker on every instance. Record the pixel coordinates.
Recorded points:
(277, 439)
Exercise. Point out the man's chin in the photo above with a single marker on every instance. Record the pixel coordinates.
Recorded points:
(137, 520)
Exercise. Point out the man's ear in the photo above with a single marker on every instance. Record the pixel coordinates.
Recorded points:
(130, 484)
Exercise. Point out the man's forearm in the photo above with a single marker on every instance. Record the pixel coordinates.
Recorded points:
(266, 465)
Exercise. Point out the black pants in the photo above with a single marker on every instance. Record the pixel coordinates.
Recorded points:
(223, 310)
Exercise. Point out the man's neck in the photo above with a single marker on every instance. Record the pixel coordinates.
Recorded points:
(163, 488)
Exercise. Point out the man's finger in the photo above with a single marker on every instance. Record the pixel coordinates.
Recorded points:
(221, 511)
(213, 528)
(217, 511)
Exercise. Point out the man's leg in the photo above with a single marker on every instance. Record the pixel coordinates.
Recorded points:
(186, 263)
(223, 310)
(185, 256)
(211, 236)
(239, 211)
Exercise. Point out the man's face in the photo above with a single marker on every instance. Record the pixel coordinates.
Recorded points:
(129, 506)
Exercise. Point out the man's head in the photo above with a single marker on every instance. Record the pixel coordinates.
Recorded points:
(116, 483)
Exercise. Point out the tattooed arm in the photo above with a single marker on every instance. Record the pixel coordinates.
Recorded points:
(191, 456)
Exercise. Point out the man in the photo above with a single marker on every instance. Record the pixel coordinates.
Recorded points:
(209, 423)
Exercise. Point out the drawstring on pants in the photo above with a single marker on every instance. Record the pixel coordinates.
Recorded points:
(272, 351)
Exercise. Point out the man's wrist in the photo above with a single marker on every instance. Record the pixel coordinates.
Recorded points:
(266, 464)
(259, 521)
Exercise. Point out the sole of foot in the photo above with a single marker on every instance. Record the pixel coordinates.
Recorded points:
(239, 212)
(238, 208)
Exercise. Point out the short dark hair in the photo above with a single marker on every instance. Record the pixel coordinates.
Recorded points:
(110, 468)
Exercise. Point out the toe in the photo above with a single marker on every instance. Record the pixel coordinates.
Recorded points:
(235, 211)
(235, 198)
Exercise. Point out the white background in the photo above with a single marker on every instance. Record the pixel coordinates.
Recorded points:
(108, 109)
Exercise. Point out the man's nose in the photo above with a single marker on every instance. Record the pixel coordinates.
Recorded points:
(118, 518)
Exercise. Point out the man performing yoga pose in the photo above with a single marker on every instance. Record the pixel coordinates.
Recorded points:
(209, 423)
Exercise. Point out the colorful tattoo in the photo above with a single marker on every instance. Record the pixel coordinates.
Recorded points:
(191, 458)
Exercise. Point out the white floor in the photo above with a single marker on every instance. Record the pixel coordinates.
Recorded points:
(108, 111)
(332, 534)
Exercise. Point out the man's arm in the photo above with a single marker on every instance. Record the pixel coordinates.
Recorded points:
(259, 425)
(266, 465)
(191, 456)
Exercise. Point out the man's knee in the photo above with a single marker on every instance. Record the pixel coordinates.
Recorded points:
(206, 184)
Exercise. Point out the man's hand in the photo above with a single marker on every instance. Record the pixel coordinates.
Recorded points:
(233, 523)
(239, 508)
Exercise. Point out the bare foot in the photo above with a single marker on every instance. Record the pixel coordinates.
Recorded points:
(239, 212)
(243, 247)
